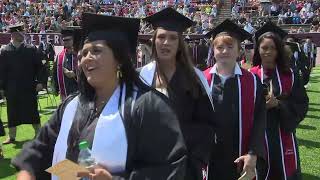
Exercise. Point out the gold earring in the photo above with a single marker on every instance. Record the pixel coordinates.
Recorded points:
(119, 73)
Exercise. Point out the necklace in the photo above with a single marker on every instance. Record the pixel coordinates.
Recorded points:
(99, 105)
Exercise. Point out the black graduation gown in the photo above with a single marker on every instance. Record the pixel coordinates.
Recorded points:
(196, 117)
(70, 84)
(226, 149)
(20, 72)
(301, 67)
(202, 55)
(291, 111)
(156, 148)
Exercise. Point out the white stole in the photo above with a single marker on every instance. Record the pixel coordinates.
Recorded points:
(148, 71)
(109, 146)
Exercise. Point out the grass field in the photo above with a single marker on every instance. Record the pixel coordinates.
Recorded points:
(308, 134)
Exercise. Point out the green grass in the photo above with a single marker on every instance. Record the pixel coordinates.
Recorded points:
(24, 133)
(308, 134)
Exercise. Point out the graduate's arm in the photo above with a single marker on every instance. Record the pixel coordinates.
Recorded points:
(200, 139)
(36, 156)
(2, 70)
(293, 108)
(256, 145)
(160, 152)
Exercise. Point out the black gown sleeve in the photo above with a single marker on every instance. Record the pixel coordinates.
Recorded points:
(39, 67)
(36, 156)
(55, 76)
(160, 152)
(256, 145)
(293, 108)
(2, 69)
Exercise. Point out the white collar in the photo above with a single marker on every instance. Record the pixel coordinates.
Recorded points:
(237, 69)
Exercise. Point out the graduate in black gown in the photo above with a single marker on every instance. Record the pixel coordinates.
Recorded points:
(298, 60)
(131, 129)
(239, 108)
(65, 65)
(286, 103)
(172, 73)
(20, 78)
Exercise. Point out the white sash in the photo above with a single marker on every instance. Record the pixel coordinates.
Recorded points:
(109, 147)
(147, 73)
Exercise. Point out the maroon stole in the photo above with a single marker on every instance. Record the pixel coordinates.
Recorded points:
(287, 141)
(60, 74)
(247, 93)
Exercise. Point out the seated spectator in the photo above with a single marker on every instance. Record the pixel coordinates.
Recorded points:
(235, 11)
(214, 10)
(274, 9)
(288, 17)
(281, 18)
(300, 30)
(310, 15)
(303, 16)
(296, 18)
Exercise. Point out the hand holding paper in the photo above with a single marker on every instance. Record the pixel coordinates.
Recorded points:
(249, 164)
(66, 170)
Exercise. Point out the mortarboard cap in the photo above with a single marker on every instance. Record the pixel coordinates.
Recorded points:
(77, 38)
(109, 28)
(270, 27)
(293, 46)
(16, 28)
(68, 31)
(169, 19)
(249, 46)
(229, 27)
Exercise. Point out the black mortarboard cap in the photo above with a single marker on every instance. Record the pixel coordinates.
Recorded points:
(77, 37)
(229, 27)
(68, 31)
(270, 27)
(169, 19)
(16, 28)
(249, 46)
(293, 46)
(102, 27)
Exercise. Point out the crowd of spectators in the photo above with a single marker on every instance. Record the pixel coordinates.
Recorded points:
(252, 14)
(44, 16)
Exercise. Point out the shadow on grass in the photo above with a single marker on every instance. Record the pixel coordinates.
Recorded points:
(308, 127)
(51, 107)
(19, 144)
(313, 109)
(309, 90)
(314, 80)
(313, 117)
(308, 143)
(309, 177)
(6, 169)
(314, 104)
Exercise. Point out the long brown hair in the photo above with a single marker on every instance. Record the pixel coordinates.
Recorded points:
(282, 59)
(183, 59)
